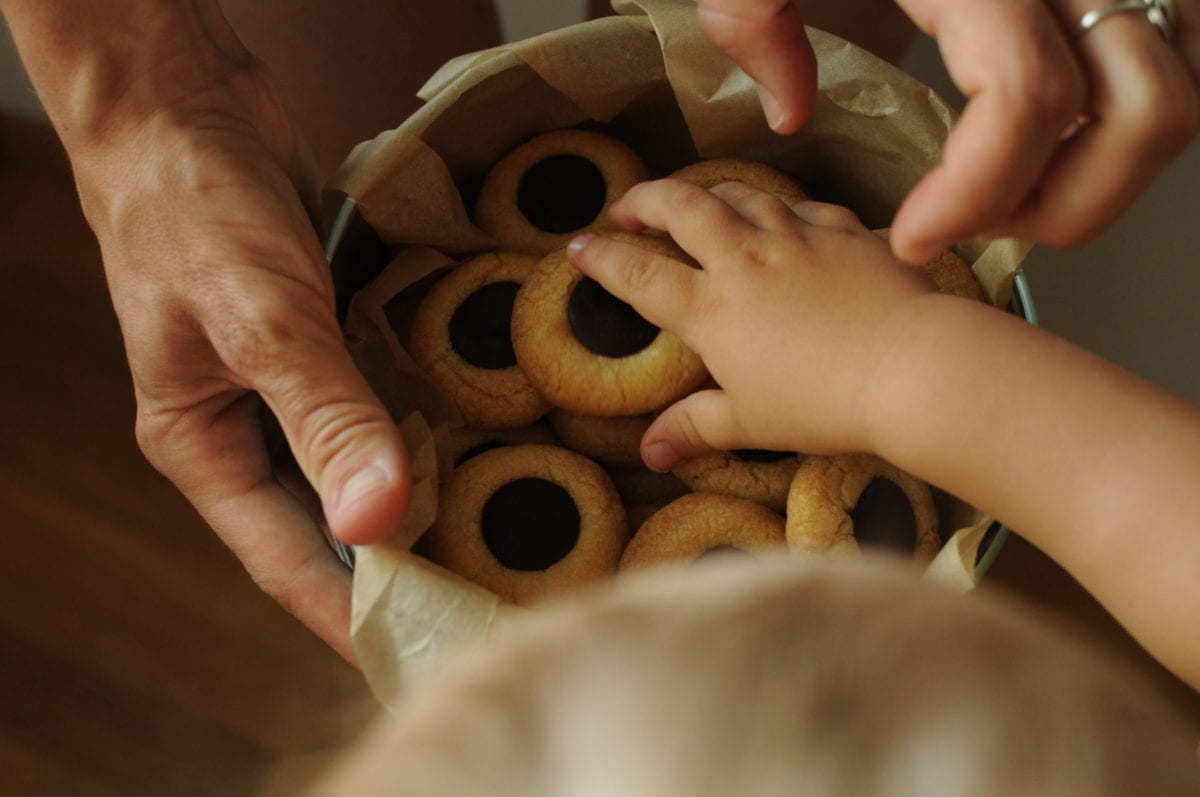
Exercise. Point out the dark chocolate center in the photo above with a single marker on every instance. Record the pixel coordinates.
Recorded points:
(759, 455)
(529, 524)
(562, 193)
(883, 517)
(481, 327)
(606, 325)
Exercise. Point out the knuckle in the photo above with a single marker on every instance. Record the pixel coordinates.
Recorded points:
(689, 199)
(149, 430)
(257, 340)
(640, 272)
(767, 206)
(1158, 115)
(1048, 83)
(1060, 92)
(331, 430)
(163, 438)
(254, 315)
(690, 429)
(1053, 96)
(734, 189)
(758, 251)
(701, 207)
(646, 190)
(839, 216)
(261, 331)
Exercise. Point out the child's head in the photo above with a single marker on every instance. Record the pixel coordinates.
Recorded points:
(804, 677)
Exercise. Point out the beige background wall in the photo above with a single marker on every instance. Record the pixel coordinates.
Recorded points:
(1131, 295)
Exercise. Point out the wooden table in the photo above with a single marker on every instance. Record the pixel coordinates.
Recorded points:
(137, 656)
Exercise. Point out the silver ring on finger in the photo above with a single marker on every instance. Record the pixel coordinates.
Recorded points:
(1159, 13)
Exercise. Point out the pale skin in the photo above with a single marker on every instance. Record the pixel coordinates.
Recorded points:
(1006, 168)
(198, 165)
(854, 352)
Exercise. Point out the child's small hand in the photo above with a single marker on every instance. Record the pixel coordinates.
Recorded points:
(822, 342)
(794, 312)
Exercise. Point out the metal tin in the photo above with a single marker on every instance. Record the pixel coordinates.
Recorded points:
(356, 255)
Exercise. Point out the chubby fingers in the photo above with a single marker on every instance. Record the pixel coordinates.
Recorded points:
(690, 428)
(824, 214)
(766, 38)
(701, 222)
(662, 289)
(757, 207)
(767, 212)
(721, 219)
(1024, 85)
(695, 217)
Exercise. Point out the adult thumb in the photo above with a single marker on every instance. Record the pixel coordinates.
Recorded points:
(344, 440)
(690, 428)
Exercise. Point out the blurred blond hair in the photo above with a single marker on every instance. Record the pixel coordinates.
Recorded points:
(793, 677)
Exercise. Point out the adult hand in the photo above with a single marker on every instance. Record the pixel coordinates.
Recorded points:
(225, 298)
(1008, 168)
(813, 293)
(200, 191)
(766, 38)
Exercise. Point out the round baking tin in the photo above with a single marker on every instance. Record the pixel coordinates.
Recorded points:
(356, 255)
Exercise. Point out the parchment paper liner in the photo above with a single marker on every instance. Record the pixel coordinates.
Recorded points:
(652, 80)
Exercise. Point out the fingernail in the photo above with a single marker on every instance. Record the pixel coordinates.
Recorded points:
(577, 245)
(771, 108)
(368, 481)
(661, 457)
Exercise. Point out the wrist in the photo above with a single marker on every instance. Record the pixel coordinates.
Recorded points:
(924, 352)
(103, 69)
(145, 95)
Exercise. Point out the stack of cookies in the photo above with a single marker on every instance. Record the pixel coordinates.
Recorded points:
(557, 380)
